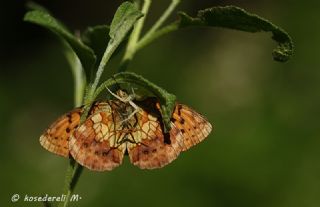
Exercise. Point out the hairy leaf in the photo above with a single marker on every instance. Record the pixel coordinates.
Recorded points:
(125, 17)
(123, 20)
(97, 38)
(236, 18)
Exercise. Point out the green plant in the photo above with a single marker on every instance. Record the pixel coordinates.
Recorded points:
(89, 54)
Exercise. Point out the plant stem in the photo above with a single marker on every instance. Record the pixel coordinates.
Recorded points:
(72, 176)
(149, 35)
(79, 86)
(74, 169)
(167, 29)
(131, 46)
(112, 46)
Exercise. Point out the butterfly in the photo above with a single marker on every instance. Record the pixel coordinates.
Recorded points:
(114, 128)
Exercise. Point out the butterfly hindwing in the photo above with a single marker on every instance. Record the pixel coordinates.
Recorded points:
(153, 148)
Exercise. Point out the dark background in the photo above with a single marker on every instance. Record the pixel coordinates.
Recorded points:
(263, 152)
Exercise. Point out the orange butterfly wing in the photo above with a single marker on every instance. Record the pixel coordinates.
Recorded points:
(193, 126)
(154, 148)
(93, 144)
(56, 138)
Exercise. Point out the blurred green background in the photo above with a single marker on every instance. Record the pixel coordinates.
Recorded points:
(263, 152)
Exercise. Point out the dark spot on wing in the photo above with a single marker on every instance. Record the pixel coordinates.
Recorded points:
(69, 118)
(179, 109)
(166, 138)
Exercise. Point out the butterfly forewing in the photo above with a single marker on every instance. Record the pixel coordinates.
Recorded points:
(56, 138)
(193, 126)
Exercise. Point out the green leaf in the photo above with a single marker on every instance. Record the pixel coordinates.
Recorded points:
(97, 39)
(123, 20)
(78, 75)
(85, 54)
(236, 18)
(125, 17)
(167, 100)
(31, 5)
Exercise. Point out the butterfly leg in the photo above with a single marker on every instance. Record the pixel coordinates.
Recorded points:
(118, 97)
(136, 110)
(127, 100)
